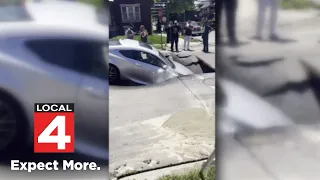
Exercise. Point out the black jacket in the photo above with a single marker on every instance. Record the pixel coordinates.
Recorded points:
(175, 30)
(188, 30)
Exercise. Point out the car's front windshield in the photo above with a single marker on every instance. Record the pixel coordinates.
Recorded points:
(167, 61)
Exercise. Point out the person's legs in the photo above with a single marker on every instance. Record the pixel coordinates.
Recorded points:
(188, 42)
(274, 8)
(177, 41)
(231, 7)
(219, 5)
(262, 6)
(185, 43)
(206, 44)
(172, 42)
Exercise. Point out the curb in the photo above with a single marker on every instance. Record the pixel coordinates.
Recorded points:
(175, 169)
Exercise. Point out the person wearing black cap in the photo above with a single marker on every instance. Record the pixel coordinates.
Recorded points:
(175, 32)
(168, 31)
(205, 36)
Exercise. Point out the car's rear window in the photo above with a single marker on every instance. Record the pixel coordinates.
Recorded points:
(13, 12)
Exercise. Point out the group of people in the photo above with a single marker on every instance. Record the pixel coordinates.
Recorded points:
(173, 33)
(230, 7)
(143, 34)
(174, 30)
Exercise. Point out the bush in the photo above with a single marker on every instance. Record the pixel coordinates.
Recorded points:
(298, 4)
(193, 175)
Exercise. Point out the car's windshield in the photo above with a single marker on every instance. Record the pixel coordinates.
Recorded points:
(167, 61)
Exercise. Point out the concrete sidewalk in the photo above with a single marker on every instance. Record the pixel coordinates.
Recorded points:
(160, 125)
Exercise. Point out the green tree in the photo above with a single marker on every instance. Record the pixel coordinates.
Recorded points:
(179, 6)
(96, 3)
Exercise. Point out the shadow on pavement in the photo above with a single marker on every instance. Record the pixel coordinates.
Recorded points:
(128, 83)
(284, 41)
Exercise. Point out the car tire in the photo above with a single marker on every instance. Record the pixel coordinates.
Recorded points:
(114, 74)
(13, 126)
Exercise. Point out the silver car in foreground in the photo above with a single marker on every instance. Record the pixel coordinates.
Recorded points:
(52, 62)
(141, 63)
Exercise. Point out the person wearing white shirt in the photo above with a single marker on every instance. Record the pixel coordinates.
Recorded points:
(187, 36)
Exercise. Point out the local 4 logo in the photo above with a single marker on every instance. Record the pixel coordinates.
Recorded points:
(54, 128)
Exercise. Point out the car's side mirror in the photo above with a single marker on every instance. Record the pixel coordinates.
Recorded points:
(165, 67)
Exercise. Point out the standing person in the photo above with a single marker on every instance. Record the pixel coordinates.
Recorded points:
(143, 34)
(205, 36)
(129, 33)
(175, 31)
(168, 30)
(230, 7)
(274, 8)
(187, 36)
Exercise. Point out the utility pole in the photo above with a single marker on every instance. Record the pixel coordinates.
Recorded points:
(167, 10)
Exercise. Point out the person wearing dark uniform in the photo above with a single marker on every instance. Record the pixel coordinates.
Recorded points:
(230, 7)
(168, 31)
(175, 31)
(205, 37)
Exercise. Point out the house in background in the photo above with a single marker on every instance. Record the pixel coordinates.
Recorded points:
(134, 13)
(206, 8)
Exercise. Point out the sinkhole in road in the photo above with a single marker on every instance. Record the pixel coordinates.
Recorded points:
(192, 62)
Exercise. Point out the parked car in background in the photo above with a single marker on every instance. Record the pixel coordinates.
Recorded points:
(141, 63)
(196, 28)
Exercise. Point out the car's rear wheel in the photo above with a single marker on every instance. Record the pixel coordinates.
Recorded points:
(12, 126)
(114, 74)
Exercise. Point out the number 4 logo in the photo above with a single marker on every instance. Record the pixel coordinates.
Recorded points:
(61, 139)
(53, 132)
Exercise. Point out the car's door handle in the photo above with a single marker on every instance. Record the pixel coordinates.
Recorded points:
(137, 64)
(95, 93)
